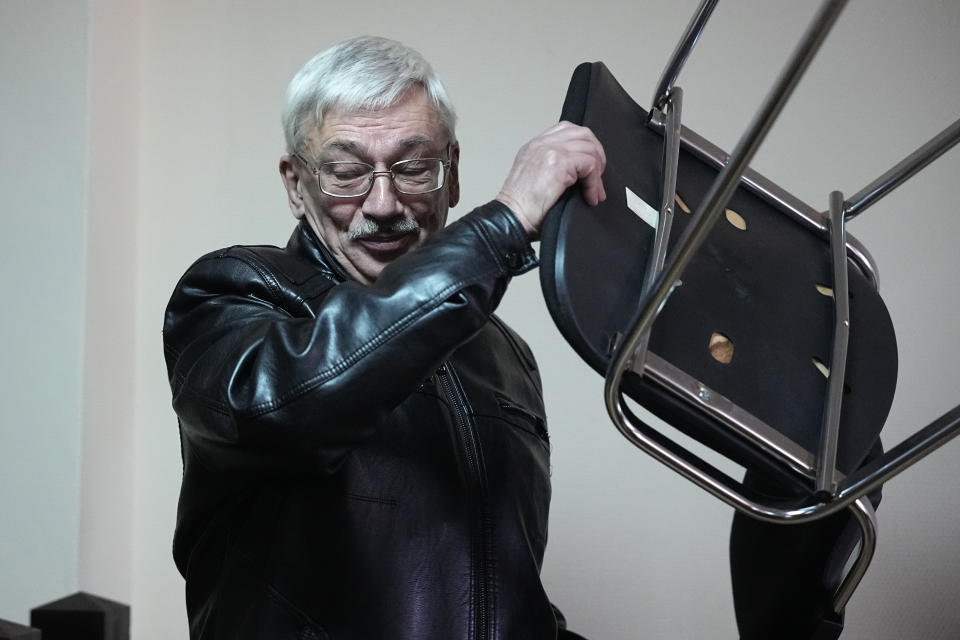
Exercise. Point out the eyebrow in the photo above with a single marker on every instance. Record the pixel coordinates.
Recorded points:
(414, 141)
(355, 149)
(343, 145)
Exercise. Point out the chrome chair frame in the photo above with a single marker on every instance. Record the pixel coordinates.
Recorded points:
(833, 492)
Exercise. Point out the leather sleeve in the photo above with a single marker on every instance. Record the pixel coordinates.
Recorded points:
(254, 370)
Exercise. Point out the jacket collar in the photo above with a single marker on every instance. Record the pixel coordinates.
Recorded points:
(305, 244)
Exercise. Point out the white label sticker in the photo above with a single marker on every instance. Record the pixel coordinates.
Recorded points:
(647, 213)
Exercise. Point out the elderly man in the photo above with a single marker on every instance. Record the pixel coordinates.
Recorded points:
(364, 445)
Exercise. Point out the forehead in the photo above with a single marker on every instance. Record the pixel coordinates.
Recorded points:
(410, 124)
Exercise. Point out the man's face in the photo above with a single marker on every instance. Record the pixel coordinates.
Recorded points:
(365, 233)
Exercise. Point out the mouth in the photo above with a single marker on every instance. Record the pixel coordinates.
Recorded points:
(388, 245)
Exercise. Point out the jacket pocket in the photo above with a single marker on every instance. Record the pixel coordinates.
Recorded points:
(281, 615)
(523, 418)
(248, 607)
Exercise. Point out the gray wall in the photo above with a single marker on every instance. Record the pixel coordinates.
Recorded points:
(635, 551)
(42, 258)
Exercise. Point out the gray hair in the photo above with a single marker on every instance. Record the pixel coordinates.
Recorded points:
(365, 72)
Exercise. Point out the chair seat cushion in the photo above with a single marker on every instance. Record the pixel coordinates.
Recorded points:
(758, 291)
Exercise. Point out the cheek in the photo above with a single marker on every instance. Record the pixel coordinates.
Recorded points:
(338, 216)
(430, 213)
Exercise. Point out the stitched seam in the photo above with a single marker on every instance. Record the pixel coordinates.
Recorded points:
(265, 275)
(337, 368)
(214, 405)
(516, 351)
(274, 594)
(515, 425)
(271, 284)
(362, 498)
(179, 379)
(488, 242)
(345, 363)
(517, 233)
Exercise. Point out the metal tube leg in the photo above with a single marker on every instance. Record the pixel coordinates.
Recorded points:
(671, 159)
(903, 170)
(830, 429)
(684, 47)
(866, 517)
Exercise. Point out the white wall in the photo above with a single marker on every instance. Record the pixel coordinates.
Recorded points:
(635, 551)
(113, 152)
(42, 228)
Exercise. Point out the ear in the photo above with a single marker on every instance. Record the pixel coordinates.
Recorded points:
(293, 186)
(453, 183)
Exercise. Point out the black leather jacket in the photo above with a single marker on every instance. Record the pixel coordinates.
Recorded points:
(360, 461)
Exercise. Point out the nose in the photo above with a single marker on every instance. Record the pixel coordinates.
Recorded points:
(382, 200)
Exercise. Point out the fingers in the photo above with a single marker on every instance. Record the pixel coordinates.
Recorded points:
(545, 167)
(573, 131)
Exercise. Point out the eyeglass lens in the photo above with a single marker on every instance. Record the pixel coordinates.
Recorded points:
(419, 175)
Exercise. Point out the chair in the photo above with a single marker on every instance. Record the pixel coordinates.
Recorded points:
(734, 312)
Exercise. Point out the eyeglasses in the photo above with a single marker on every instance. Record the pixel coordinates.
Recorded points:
(353, 179)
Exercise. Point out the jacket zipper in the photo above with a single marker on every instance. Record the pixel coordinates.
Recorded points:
(480, 551)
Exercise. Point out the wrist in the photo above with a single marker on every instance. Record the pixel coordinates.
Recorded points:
(517, 211)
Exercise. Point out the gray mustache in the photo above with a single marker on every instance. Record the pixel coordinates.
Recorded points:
(367, 228)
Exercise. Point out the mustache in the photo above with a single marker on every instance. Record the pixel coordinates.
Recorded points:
(368, 228)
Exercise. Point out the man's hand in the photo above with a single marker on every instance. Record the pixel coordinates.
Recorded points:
(544, 167)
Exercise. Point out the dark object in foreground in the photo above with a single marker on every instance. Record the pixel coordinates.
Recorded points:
(13, 631)
(82, 616)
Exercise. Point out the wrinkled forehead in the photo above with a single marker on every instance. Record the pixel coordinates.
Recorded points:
(411, 125)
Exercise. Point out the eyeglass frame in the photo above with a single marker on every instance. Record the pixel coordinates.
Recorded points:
(373, 175)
